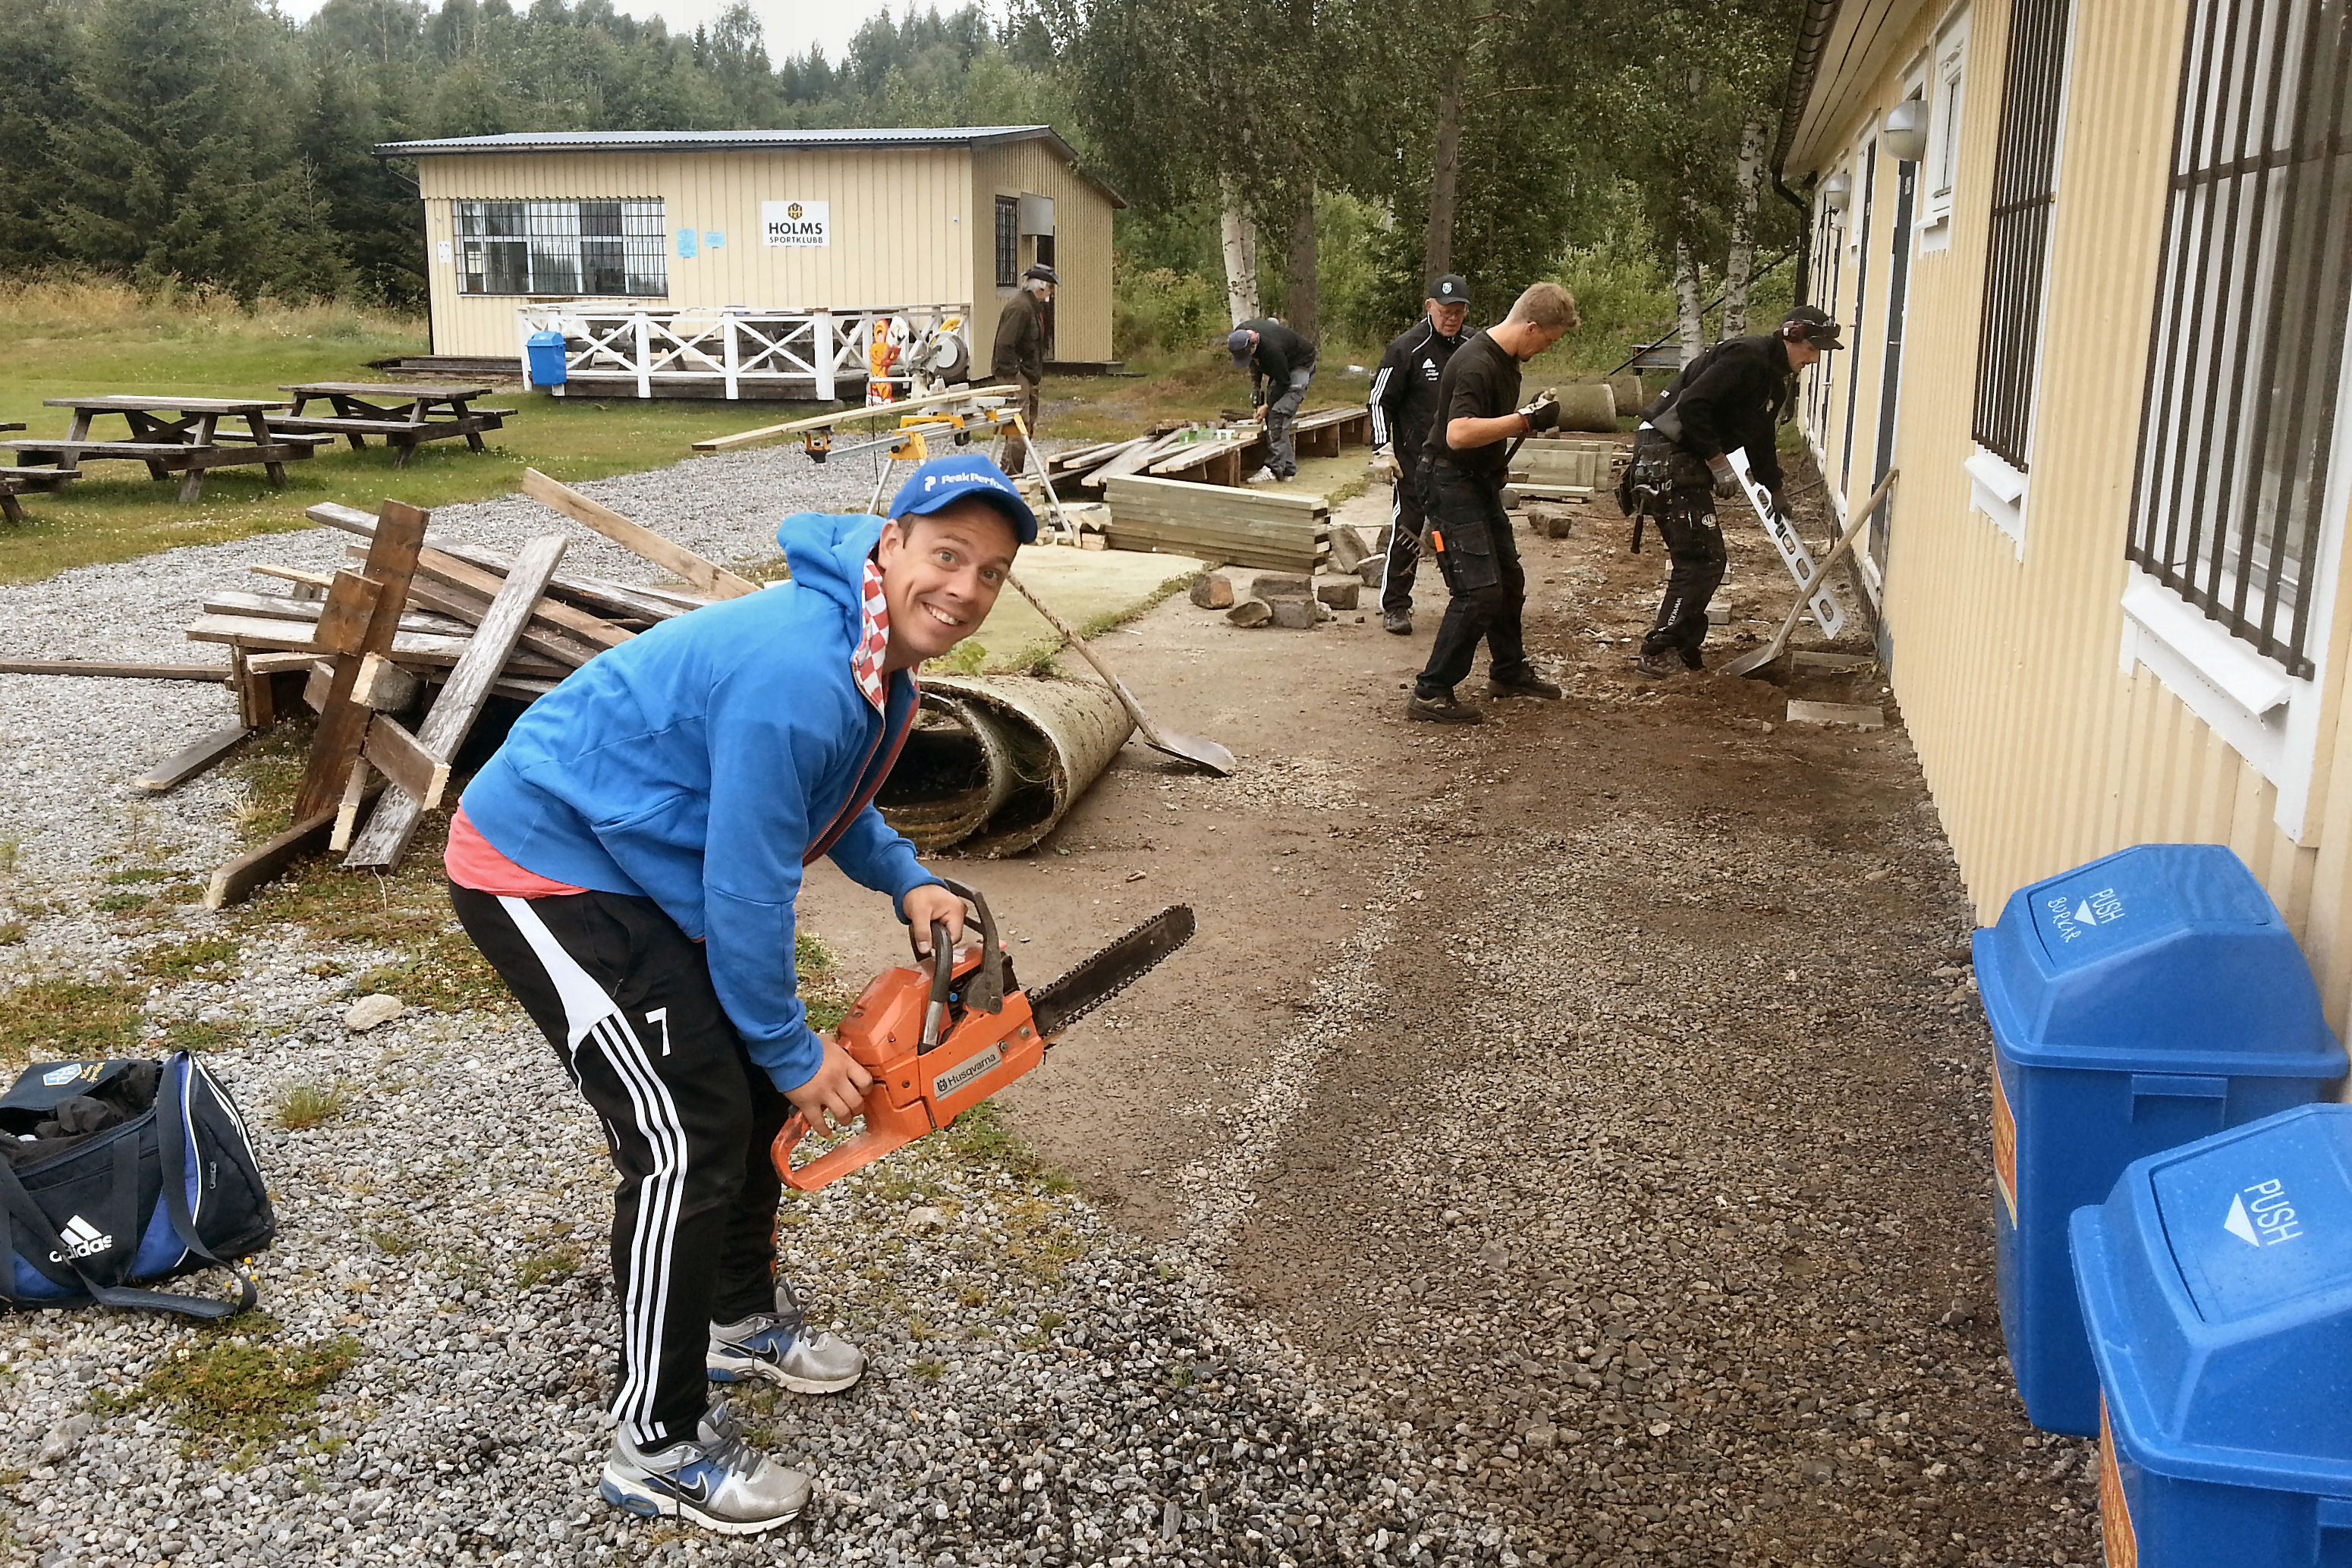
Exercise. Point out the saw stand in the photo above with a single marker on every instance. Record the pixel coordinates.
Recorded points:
(907, 445)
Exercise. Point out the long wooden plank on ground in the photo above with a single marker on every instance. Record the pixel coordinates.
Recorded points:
(335, 745)
(451, 717)
(191, 759)
(412, 650)
(234, 882)
(118, 671)
(307, 612)
(597, 595)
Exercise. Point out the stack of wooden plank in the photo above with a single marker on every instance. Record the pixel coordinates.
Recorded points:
(414, 610)
(1278, 530)
(1558, 469)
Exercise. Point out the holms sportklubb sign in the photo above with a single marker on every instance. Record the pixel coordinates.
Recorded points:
(795, 223)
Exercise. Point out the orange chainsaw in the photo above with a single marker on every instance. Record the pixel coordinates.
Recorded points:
(940, 1037)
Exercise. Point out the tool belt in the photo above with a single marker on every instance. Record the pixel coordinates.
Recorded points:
(1455, 534)
(1660, 476)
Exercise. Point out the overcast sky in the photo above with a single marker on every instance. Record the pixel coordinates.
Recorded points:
(791, 25)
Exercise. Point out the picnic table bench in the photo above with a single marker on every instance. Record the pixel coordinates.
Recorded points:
(405, 416)
(15, 482)
(189, 445)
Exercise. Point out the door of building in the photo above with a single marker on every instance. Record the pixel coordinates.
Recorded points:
(1890, 377)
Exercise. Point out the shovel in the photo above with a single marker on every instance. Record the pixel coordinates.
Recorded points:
(1748, 664)
(1208, 754)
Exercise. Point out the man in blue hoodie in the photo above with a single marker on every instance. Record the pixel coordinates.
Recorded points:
(629, 862)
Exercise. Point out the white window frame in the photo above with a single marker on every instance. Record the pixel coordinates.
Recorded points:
(1947, 108)
(1998, 488)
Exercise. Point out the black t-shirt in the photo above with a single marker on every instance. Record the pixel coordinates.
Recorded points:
(1481, 382)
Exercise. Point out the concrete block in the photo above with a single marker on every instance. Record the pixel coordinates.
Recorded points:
(1272, 585)
(1212, 592)
(1341, 595)
(1295, 614)
(1373, 569)
(1250, 613)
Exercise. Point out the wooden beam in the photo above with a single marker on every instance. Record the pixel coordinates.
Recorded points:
(342, 624)
(192, 759)
(595, 594)
(850, 416)
(317, 579)
(667, 554)
(552, 613)
(342, 724)
(234, 882)
(347, 812)
(451, 717)
(414, 650)
(466, 605)
(397, 755)
(118, 671)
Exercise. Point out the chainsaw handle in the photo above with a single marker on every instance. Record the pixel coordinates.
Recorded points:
(832, 1165)
(985, 991)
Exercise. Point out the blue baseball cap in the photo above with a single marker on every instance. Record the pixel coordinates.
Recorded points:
(943, 481)
(1239, 345)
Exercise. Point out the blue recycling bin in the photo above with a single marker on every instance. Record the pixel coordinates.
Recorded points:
(2137, 1003)
(2217, 1284)
(543, 358)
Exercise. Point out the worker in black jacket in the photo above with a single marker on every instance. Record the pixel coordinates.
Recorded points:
(1280, 364)
(1020, 357)
(1465, 458)
(1731, 397)
(1403, 401)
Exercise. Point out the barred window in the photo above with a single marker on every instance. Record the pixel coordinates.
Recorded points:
(2025, 188)
(583, 247)
(2248, 342)
(1008, 242)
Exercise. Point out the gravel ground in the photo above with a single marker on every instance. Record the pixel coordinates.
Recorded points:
(1611, 1194)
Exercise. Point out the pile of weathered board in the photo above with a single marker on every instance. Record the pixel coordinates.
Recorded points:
(1203, 454)
(414, 608)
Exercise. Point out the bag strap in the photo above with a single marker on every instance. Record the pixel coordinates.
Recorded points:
(171, 1138)
(24, 1211)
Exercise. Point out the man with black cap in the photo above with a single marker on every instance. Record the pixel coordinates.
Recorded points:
(1403, 401)
(1731, 396)
(629, 862)
(1020, 357)
(1280, 364)
(1477, 426)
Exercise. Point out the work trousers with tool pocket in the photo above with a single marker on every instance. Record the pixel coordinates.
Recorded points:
(1279, 413)
(1674, 490)
(626, 1000)
(1470, 538)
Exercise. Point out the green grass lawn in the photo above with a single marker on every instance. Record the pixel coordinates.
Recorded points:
(116, 512)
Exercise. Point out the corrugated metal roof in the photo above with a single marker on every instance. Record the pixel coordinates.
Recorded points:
(743, 140)
(717, 140)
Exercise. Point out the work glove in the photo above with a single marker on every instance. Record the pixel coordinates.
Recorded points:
(1384, 465)
(1727, 482)
(1544, 413)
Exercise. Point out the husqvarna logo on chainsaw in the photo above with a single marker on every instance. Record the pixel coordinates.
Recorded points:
(968, 1071)
(82, 1239)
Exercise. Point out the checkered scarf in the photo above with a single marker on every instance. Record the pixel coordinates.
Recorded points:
(865, 662)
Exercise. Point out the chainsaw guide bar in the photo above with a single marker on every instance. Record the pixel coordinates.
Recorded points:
(1100, 978)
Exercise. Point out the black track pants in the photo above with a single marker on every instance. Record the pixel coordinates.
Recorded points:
(1404, 540)
(626, 1000)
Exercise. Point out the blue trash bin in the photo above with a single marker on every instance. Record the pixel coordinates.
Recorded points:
(2216, 1285)
(2137, 1003)
(544, 359)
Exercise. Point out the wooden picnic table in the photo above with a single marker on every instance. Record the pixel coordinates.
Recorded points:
(189, 445)
(404, 415)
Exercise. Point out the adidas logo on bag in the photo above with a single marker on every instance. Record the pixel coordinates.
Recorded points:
(82, 1239)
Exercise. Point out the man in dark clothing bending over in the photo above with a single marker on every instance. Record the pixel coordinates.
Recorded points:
(1403, 401)
(1731, 396)
(1280, 364)
(1466, 457)
(1020, 357)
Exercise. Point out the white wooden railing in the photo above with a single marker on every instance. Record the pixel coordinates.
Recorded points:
(811, 352)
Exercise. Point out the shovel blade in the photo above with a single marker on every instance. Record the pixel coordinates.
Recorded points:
(1208, 754)
(1748, 664)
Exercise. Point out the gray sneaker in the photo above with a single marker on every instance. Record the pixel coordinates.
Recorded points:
(716, 1481)
(777, 1346)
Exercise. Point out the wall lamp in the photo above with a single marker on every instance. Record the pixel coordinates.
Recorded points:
(1906, 130)
(1836, 191)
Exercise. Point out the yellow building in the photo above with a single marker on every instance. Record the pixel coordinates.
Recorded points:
(721, 263)
(2094, 263)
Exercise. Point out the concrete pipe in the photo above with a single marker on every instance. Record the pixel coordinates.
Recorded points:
(998, 760)
(1631, 399)
(1588, 405)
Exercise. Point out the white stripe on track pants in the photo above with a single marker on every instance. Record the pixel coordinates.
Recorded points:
(628, 1002)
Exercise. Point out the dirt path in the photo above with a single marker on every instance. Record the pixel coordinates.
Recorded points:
(1599, 1086)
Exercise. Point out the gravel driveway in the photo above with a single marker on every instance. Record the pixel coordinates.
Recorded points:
(1647, 1232)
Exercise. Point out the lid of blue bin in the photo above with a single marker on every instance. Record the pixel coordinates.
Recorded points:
(2257, 1223)
(2217, 1290)
(2162, 957)
(544, 337)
